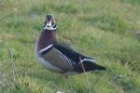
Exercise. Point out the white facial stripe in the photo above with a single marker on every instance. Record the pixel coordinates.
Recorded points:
(49, 28)
(46, 48)
(48, 24)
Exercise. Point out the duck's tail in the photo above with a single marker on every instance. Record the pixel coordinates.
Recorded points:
(87, 65)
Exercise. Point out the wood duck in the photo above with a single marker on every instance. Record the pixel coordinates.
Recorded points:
(60, 58)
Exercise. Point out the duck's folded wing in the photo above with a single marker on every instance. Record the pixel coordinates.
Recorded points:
(69, 52)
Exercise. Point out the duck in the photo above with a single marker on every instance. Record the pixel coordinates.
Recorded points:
(61, 58)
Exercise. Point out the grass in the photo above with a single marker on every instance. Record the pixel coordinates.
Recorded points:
(105, 30)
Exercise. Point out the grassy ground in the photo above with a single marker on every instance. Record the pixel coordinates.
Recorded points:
(107, 30)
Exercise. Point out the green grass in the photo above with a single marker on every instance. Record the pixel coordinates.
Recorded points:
(107, 30)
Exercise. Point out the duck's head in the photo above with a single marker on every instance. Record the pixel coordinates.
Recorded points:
(50, 23)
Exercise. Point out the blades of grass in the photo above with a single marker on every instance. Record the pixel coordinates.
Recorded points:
(87, 80)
